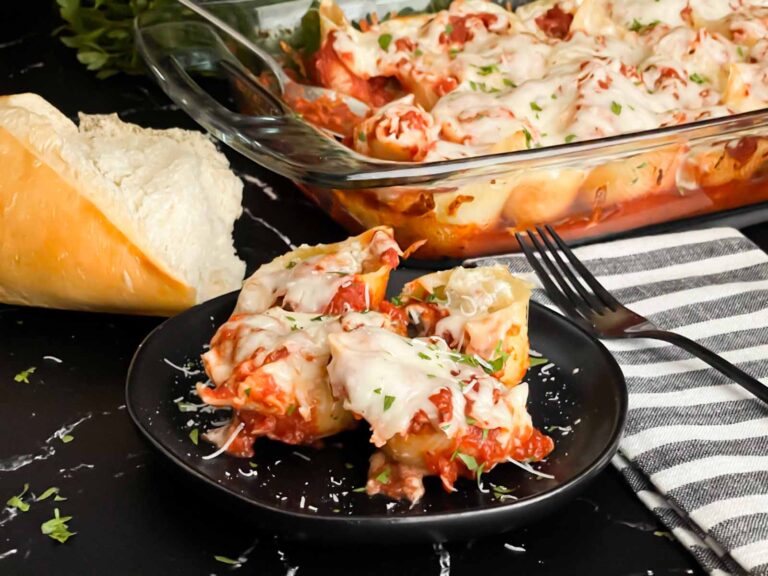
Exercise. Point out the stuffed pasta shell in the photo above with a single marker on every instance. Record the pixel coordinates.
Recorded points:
(270, 369)
(327, 278)
(481, 312)
(431, 412)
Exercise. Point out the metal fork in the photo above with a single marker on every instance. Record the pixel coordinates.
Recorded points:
(596, 309)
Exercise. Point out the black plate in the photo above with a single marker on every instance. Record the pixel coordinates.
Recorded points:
(305, 492)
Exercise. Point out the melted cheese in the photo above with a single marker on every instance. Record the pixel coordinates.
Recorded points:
(248, 340)
(309, 283)
(388, 379)
(624, 67)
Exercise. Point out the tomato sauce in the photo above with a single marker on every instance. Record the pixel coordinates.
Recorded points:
(349, 297)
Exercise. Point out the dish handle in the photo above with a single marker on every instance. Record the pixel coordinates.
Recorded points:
(274, 136)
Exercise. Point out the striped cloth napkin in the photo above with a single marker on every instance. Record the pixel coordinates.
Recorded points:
(695, 447)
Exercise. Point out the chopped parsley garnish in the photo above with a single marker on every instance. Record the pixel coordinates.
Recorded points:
(641, 166)
(638, 26)
(431, 376)
(225, 560)
(434, 297)
(17, 502)
(377, 391)
(383, 476)
(533, 361)
(248, 392)
(23, 376)
(570, 138)
(186, 407)
(57, 527)
(417, 52)
(485, 433)
(449, 29)
(453, 52)
(253, 465)
(47, 494)
(473, 85)
(396, 300)
(361, 136)
(553, 96)
(348, 466)
(67, 438)
(486, 70)
(471, 421)
(508, 82)
(384, 41)
(535, 107)
(528, 138)
(194, 435)
(359, 490)
(469, 461)
(291, 409)
(388, 401)
(740, 51)
(698, 78)
(616, 108)
(501, 357)
(318, 318)
(291, 264)
(424, 356)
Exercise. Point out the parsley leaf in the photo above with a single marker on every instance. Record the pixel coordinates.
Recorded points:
(570, 138)
(528, 138)
(291, 264)
(697, 78)
(67, 438)
(638, 26)
(384, 41)
(533, 361)
(291, 409)
(57, 527)
(469, 461)
(225, 560)
(23, 376)
(47, 494)
(17, 502)
(194, 435)
(424, 356)
(377, 391)
(497, 364)
(388, 401)
(486, 70)
(616, 108)
(508, 82)
(383, 476)
(396, 300)
(535, 107)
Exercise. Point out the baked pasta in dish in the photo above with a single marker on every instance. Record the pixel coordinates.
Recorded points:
(481, 312)
(477, 79)
(327, 278)
(432, 410)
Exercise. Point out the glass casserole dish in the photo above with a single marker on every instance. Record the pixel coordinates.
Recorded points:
(463, 207)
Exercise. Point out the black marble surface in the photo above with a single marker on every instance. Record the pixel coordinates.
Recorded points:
(133, 513)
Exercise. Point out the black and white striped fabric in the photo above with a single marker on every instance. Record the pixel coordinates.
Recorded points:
(695, 448)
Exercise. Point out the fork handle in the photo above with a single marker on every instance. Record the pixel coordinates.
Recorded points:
(719, 363)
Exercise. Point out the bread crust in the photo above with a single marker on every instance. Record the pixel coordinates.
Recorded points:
(59, 250)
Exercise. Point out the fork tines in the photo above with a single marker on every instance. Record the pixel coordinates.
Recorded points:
(567, 285)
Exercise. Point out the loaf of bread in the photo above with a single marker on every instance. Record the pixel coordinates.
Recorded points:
(110, 216)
